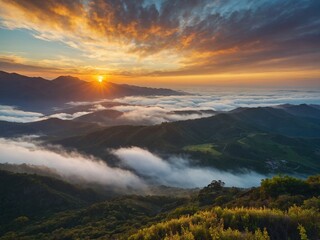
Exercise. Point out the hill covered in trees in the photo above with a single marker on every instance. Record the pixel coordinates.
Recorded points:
(282, 139)
(281, 208)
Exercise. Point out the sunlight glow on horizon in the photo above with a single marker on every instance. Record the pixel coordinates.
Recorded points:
(100, 78)
(167, 48)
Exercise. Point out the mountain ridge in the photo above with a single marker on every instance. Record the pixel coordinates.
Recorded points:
(263, 139)
(38, 93)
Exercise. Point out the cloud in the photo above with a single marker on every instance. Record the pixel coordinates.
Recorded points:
(224, 99)
(68, 165)
(140, 110)
(66, 116)
(16, 63)
(150, 115)
(198, 37)
(138, 168)
(157, 109)
(176, 171)
(11, 114)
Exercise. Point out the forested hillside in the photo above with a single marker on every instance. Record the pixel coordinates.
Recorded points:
(281, 208)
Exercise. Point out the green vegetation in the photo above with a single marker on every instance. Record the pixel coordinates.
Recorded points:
(267, 153)
(281, 208)
(203, 148)
(237, 223)
(266, 140)
(30, 196)
(103, 220)
(202, 225)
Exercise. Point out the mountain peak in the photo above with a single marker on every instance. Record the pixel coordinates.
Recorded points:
(67, 79)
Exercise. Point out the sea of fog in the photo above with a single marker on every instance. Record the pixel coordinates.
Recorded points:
(155, 108)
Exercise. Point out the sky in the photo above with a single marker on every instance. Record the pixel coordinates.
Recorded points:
(164, 43)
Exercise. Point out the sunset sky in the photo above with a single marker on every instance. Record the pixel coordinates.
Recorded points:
(164, 43)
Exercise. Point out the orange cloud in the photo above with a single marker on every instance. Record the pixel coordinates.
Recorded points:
(177, 38)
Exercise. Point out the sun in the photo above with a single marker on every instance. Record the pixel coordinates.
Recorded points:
(100, 79)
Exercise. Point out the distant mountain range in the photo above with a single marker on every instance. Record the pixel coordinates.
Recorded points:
(37, 93)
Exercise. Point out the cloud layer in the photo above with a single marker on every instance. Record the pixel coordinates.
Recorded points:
(226, 100)
(68, 165)
(195, 37)
(138, 168)
(11, 114)
(158, 109)
(177, 172)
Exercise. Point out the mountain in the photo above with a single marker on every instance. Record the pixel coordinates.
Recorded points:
(107, 117)
(263, 139)
(35, 93)
(214, 212)
(216, 128)
(52, 127)
(317, 106)
(33, 195)
(302, 110)
(279, 121)
(164, 136)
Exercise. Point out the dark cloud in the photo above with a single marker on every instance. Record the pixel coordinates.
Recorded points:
(211, 36)
(283, 31)
(11, 64)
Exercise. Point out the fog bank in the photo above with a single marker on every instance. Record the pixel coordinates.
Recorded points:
(68, 165)
(137, 169)
(176, 171)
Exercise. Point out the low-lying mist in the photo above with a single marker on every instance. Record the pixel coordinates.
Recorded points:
(176, 171)
(70, 166)
(137, 168)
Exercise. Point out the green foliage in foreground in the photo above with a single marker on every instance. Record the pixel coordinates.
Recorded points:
(105, 220)
(237, 223)
(203, 225)
(281, 208)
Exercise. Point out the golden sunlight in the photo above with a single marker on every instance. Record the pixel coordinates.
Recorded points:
(100, 78)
